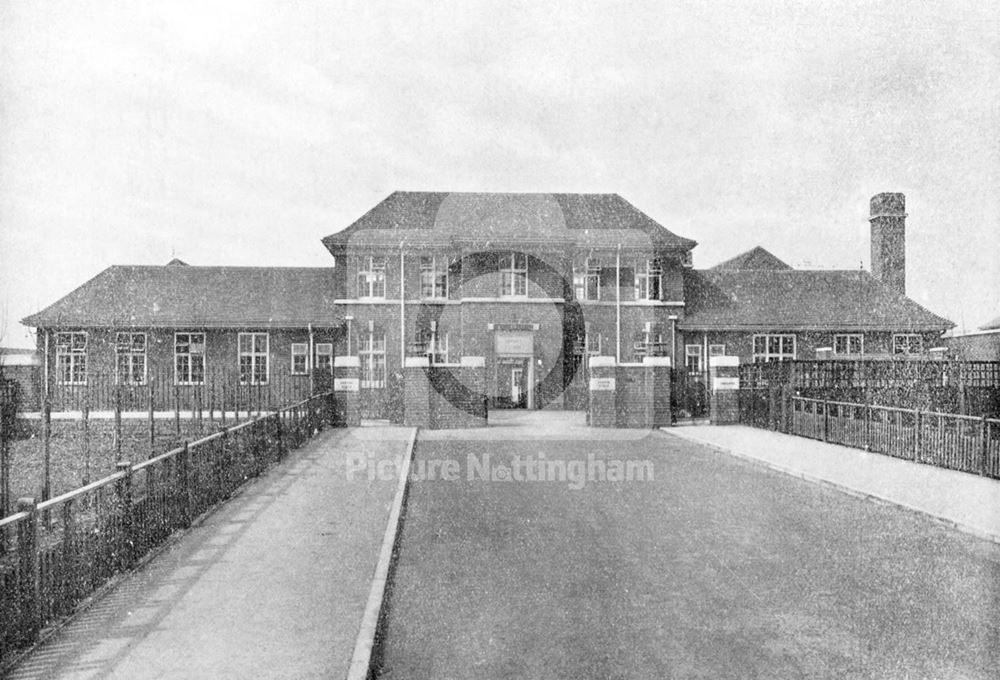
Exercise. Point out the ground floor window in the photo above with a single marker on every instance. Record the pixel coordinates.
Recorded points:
(130, 358)
(848, 343)
(300, 358)
(692, 358)
(71, 358)
(253, 353)
(774, 347)
(371, 358)
(907, 343)
(324, 356)
(716, 350)
(189, 358)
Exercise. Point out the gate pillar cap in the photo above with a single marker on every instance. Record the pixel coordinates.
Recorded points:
(724, 361)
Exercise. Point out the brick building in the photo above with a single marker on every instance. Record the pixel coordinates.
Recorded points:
(533, 283)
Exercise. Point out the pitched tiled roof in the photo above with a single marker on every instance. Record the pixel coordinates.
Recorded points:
(484, 219)
(991, 325)
(196, 297)
(799, 299)
(755, 258)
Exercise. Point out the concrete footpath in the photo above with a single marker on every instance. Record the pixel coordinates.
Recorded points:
(968, 502)
(271, 585)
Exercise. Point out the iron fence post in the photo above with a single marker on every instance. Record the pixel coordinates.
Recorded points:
(123, 494)
(29, 578)
(916, 434)
(984, 463)
(184, 464)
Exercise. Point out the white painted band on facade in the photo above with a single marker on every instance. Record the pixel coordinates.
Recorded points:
(473, 362)
(346, 384)
(656, 361)
(602, 361)
(346, 362)
(724, 361)
(416, 362)
(602, 384)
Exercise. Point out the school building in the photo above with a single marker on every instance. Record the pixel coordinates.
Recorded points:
(530, 286)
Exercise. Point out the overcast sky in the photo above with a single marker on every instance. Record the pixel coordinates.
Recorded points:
(242, 132)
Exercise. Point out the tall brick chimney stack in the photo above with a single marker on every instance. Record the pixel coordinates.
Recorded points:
(888, 225)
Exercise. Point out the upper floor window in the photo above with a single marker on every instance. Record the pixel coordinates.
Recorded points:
(433, 277)
(514, 275)
(587, 280)
(716, 350)
(253, 351)
(300, 358)
(324, 356)
(648, 279)
(848, 343)
(130, 358)
(371, 277)
(774, 347)
(591, 340)
(907, 343)
(71, 358)
(189, 358)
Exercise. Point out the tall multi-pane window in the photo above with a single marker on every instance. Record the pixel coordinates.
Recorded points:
(774, 347)
(71, 358)
(371, 358)
(189, 358)
(587, 280)
(433, 277)
(848, 343)
(371, 277)
(324, 356)
(648, 279)
(300, 358)
(130, 358)
(907, 343)
(692, 358)
(514, 275)
(253, 351)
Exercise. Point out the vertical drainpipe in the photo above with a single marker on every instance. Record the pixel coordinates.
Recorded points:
(402, 310)
(45, 365)
(618, 305)
(704, 350)
(309, 363)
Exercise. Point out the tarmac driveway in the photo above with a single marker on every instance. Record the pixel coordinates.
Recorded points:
(715, 568)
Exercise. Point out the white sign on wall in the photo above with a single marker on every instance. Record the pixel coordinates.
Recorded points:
(345, 384)
(602, 384)
(515, 344)
(725, 384)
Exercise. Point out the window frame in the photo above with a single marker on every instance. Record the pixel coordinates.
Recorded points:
(438, 283)
(847, 337)
(130, 355)
(203, 354)
(372, 358)
(781, 354)
(255, 357)
(906, 351)
(301, 353)
(697, 354)
(514, 276)
(716, 349)
(76, 357)
(650, 271)
(372, 277)
(585, 276)
(324, 350)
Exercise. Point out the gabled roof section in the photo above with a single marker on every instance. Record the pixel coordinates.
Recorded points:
(755, 258)
(792, 299)
(433, 218)
(196, 297)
